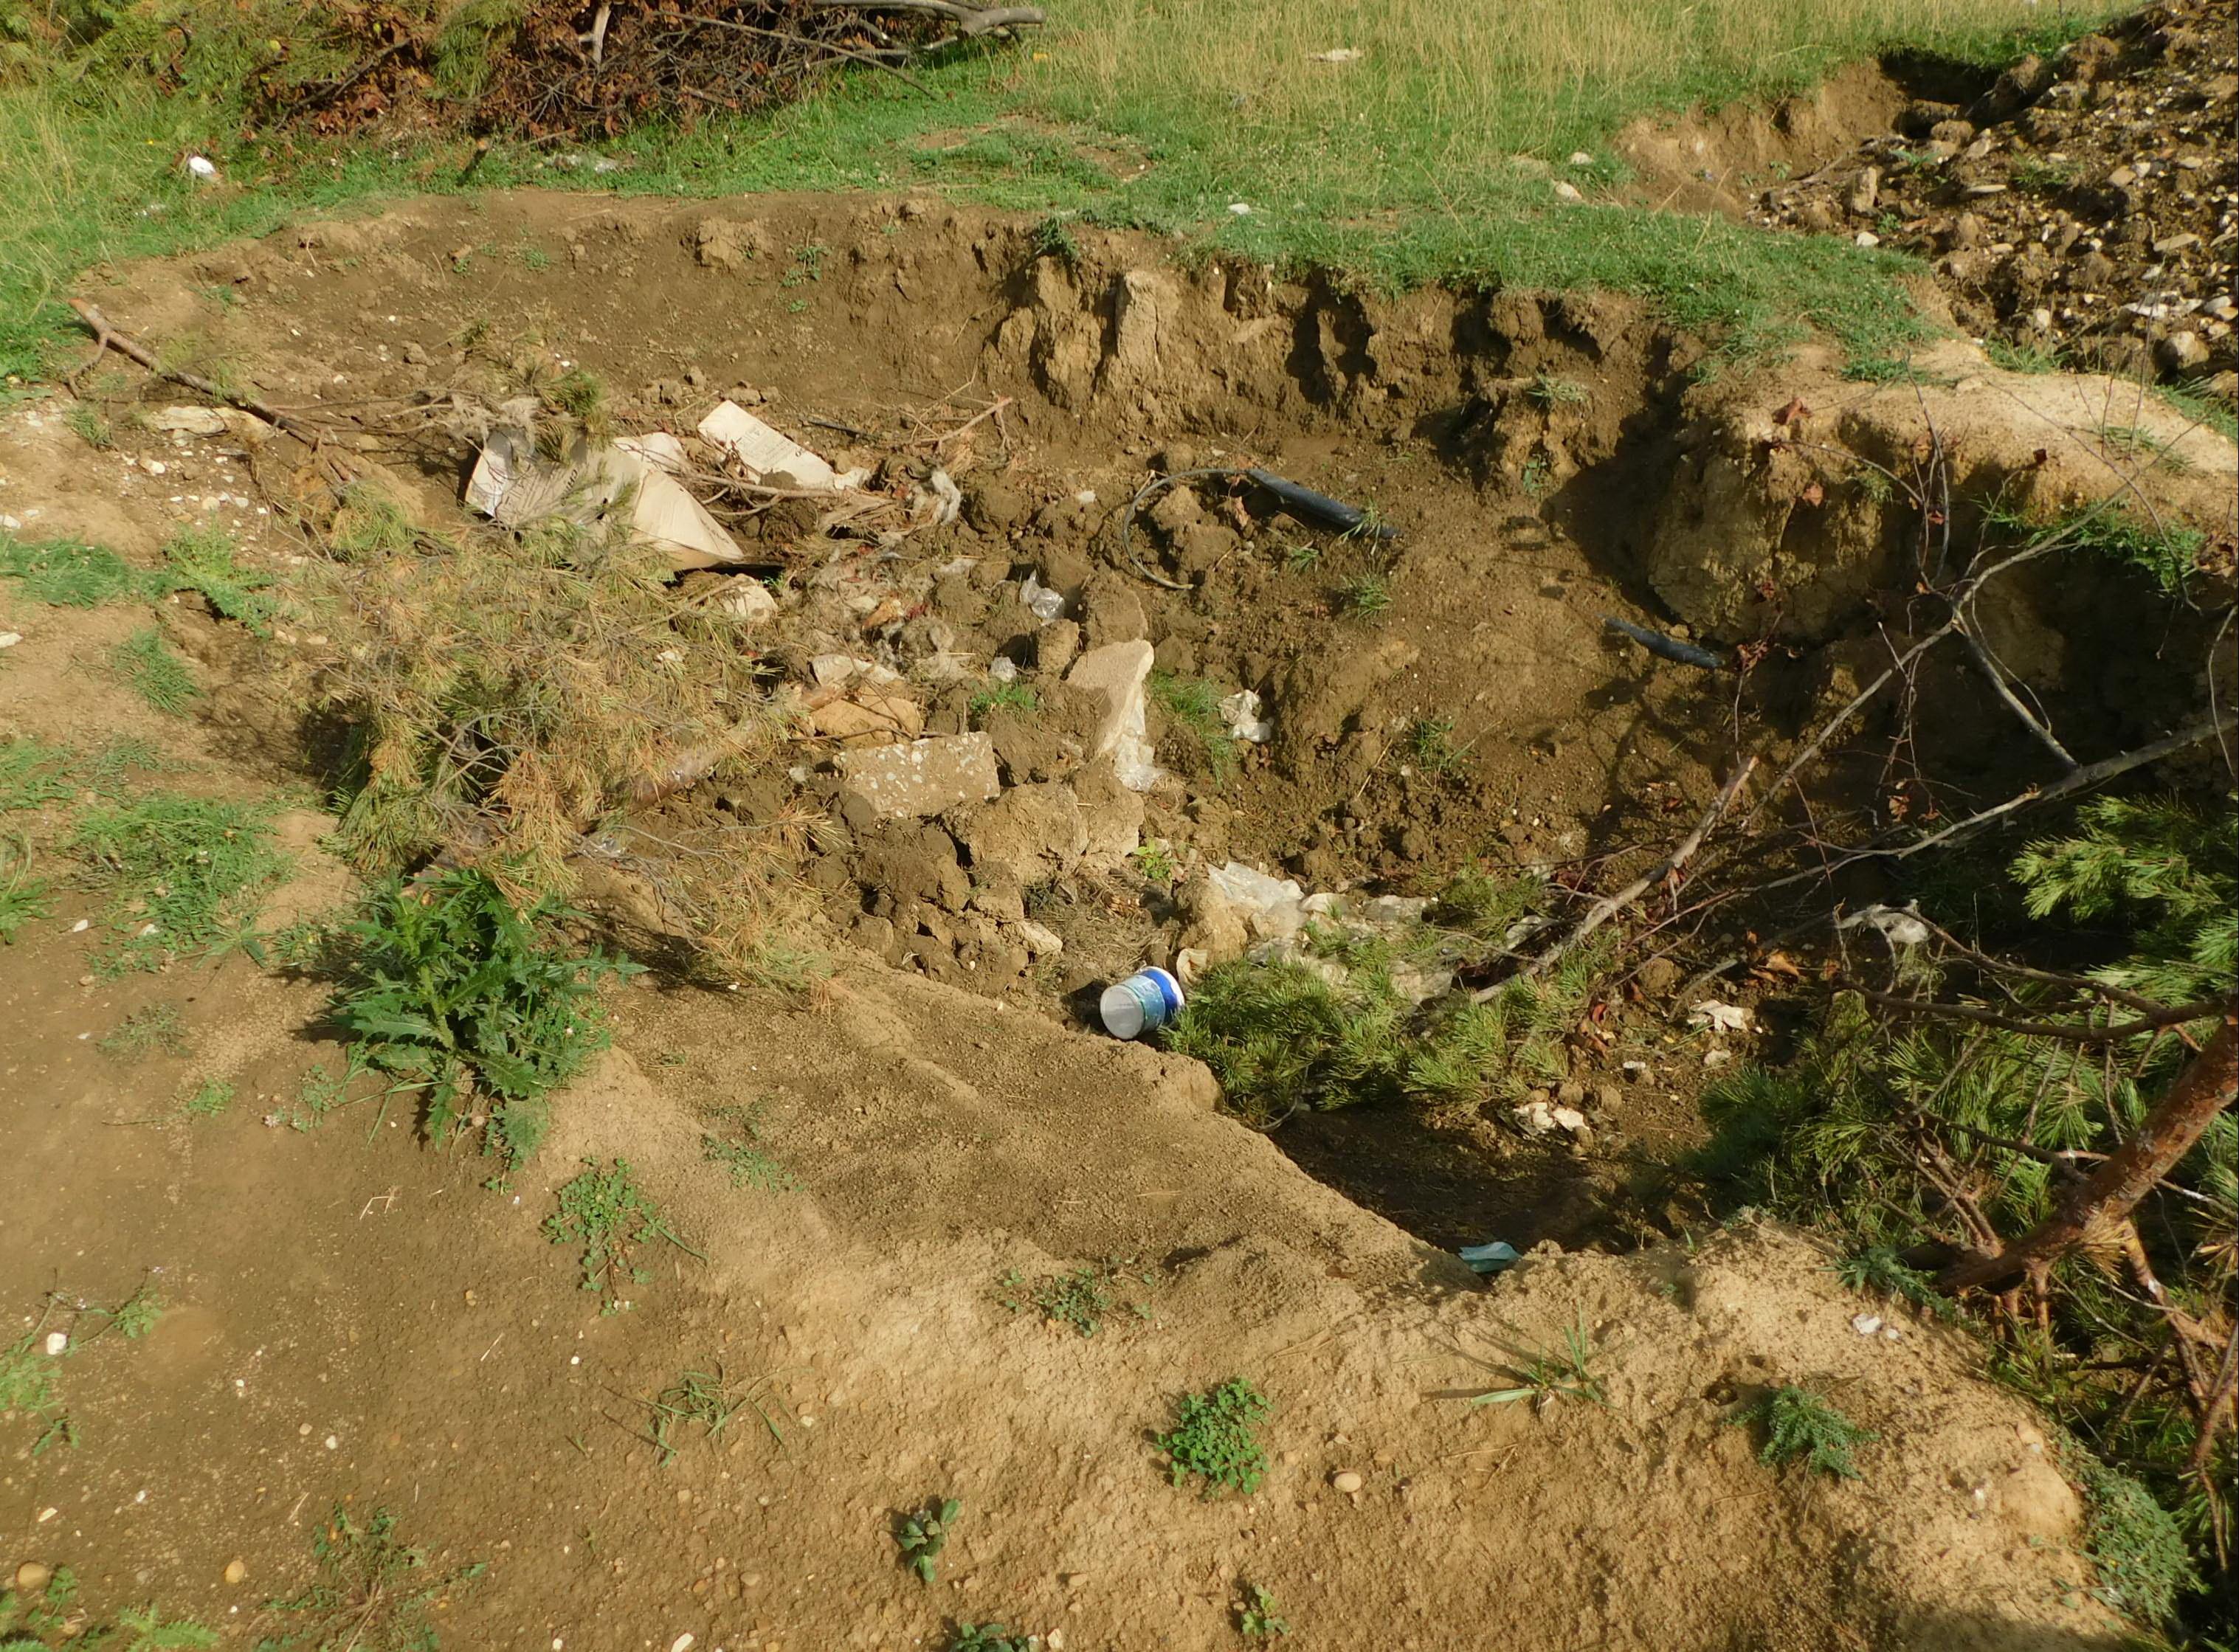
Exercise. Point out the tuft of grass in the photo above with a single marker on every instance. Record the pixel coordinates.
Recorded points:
(2169, 553)
(1429, 741)
(89, 425)
(370, 523)
(922, 1535)
(2021, 356)
(1192, 708)
(1545, 1376)
(145, 664)
(203, 560)
(2201, 408)
(374, 1592)
(474, 1004)
(1798, 1423)
(22, 898)
(1363, 596)
(1016, 697)
(610, 1215)
(1077, 1300)
(187, 876)
(1215, 1438)
(209, 1099)
(1549, 391)
(743, 1156)
(32, 773)
(72, 574)
(709, 1400)
(151, 1028)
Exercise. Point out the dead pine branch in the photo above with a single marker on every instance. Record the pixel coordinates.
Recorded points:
(1610, 905)
(106, 337)
(970, 22)
(2203, 1089)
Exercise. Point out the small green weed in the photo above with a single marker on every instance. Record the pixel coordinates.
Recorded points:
(808, 264)
(2033, 175)
(2169, 553)
(1363, 596)
(145, 1032)
(321, 1092)
(208, 1100)
(144, 663)
(1545, 1376)
(456, 992)
(1799, 1424)
(990, 1637)
(1215, 1438)
(187, 875)
(2021, 356)
(1053, 238)
(2201, 408)
(1016, 697)
(1256, 1617)
(22, 898)
(43, 1612)
(535, 259)
(1536, 477)
(610, 1216)
(374, 1592)
(709, 1400)
(1154, 860)
(743, 1156)
(1077, 1299)
(27, 1620)
(1302, 556)
(202, 559)
(370, 522)
(580, 393)
(923, 1534)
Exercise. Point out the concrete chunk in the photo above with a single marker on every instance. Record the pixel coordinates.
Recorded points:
(925, 777)
(1118, 671)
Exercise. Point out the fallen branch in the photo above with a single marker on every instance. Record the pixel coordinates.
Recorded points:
(106, 337)
(970, 22)
(2108, 1196)
(1610, 905)
(2067, 1031)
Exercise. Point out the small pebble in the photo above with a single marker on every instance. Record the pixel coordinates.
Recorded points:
(32, 1576)
(57, 1344)
(1345, 1482)
(235, 1571)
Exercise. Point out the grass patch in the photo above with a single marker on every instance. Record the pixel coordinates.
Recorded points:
(72, 574)
(1799, 1424)
(475, 1006)
(203, 560)
(144, 663)
(2137, 1547)
(22, 898)
(2201, 408)
(187, 877)
(610, 1215)
(1015, 697)
(373, 1591)
(1077, 1299)
(29, 1618)
(209, 1099)
(1215, 1438)
(32, 773)
(1363, 596)
(1429, 743)
(150, 1029)
(706, 1400)
(1192, 709)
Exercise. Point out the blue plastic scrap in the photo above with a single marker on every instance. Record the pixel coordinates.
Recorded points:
(1490, 1259)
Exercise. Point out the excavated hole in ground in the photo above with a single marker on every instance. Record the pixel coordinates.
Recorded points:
(1445, 700)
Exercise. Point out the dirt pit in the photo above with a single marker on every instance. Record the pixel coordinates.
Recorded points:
(1445, 698)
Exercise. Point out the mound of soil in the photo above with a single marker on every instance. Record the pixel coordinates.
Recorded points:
(2086, 203)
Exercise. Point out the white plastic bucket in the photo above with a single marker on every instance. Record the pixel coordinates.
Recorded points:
(1146, 1001)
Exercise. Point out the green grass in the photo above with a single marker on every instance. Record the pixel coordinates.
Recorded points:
(1215, 1438)
(1256, 1616)
(1400, 169)
(373, 1592)
(709, 1401)
(1429, 742)
(186, 876)
(479, 1008)
(22, 898)
(1545, 1376)
(1192, 708)
(72, 574)
(32, 773)
(209, 1099)
(1801, 1425)
(145, 1031)
(203, 560)
(740, 1153)
(2137, 1547)
(28, 1618)
(144, 663)
(1016, 697)
(609, 1215)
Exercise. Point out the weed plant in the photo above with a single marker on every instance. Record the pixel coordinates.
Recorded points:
(187, 876)
(923, 1534)
(609, 1215)
(1799, 1424)
(1215, 1438)
(374, 1592)
(144, 663)
(1545, 1376)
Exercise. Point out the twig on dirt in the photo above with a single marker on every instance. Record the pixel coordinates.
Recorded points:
(993, 410)
(106, 337)
(1988, 664)
(1610, 905)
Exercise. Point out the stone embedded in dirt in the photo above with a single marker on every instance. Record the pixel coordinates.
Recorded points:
(869, 716)
(1041, 940)
(1345, 1482)
(237, 1571)
(921, 777)
(195, 421)
(33, 1576)
(729, 244)
(1118, 671)
(1030, 834)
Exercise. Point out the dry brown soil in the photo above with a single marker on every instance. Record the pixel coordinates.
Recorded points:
(354, 1319)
